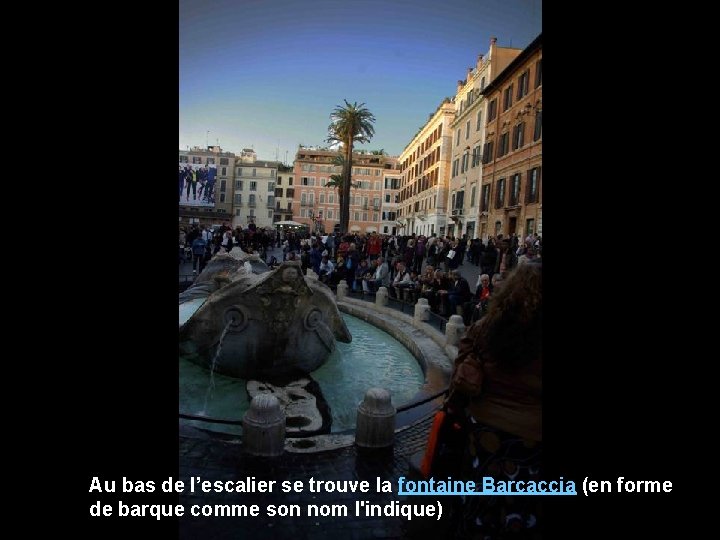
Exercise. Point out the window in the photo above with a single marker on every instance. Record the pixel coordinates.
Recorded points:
(376, 217)
(311, 198)
(365, 216)
(478, 121)
(537, 134)
(330, 213)
(253, 186)
(377, 186)
(278, 192)
(272, 173)
(482, 84)
(290, 181)
(532, 190)
(387, 197)
(485, 200)
(523, 84)
(222, 197)
(457, 139)
(237, 211)
(239, 173)
(487, 152)
(254, 172)
(223, 161)
(270, 214)
(270, 201)
(290, 192)
(223, 186)
(238, 198)
(197, 159)
(538, 73)
(500, 192)
(322, 198)
(518, 136)
(279, 182)
(239, 185)
(251, 200)
(303, 212)
(323, 181)
(183, 159)
(508, 98)
(515, 190)
(530, 226)
(357, 216)
(223, 171)
(503, 146)
(376, 202)
(467, 130)
(492, 110)
(472, 195)
(331, 198)
(271, 187)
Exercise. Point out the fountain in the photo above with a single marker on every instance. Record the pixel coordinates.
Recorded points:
(247, 330)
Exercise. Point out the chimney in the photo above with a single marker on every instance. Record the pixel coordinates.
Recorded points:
(469, 73)
(493, 41)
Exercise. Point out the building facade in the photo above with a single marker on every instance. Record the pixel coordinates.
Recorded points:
(253, 198)
(425, 169)
(391, 200)
(468, 131)
(284, 192)
(511, 196)
(217, 209)
(316, 201)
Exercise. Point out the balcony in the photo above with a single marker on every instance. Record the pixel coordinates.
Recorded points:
(457, 212)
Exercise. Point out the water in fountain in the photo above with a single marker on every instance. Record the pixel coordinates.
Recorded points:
(373, 359)
(211, 386)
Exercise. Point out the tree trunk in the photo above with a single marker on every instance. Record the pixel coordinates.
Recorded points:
(347, 173)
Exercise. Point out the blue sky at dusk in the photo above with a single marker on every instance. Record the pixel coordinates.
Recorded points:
(267, 73)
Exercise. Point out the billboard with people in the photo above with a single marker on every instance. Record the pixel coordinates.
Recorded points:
(196, 184)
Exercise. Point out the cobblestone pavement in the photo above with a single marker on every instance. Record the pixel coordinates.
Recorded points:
(224, 460)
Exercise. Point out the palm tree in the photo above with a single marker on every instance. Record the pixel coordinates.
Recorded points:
(350, 124)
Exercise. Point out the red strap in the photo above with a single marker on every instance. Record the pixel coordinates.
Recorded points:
(426, 466)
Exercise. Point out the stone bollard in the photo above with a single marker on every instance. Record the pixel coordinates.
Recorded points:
(264, 427)
(342, 289)
(381, 297)
(422, 310)
(375, 420)
(454, 330)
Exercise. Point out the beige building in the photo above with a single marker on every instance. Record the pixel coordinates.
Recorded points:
(253, 192)
(425, 167)
(468, 133)
(284, 192)
(220, 211)
(511, 197)
(391, 200)
(317, 205)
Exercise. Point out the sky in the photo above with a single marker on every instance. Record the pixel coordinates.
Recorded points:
(267, 74)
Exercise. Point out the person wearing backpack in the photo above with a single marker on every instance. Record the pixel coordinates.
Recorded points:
(198, 252)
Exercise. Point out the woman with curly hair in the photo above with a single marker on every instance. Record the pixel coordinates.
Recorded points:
(498, 381)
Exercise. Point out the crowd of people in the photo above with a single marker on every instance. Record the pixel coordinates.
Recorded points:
(410, 267)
